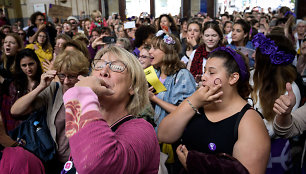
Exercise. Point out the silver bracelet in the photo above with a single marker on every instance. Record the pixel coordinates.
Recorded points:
(194, 108)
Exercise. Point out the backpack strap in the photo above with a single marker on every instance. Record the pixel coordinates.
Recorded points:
(240, 115)
(115, 125)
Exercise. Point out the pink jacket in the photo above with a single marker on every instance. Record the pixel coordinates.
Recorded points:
(95, 148)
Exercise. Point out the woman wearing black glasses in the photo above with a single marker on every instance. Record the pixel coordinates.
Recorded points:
(22, 35)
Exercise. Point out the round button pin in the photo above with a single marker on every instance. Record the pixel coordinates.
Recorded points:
(212, 146)
(68, 166)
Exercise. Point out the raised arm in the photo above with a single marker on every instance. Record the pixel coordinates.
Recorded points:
(288, 123)
(252, 148)
(23, 105)
(34, 37)
(163, 104)
(183, 87)
(173, 125)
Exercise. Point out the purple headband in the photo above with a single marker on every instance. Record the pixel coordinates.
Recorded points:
(289, 12)
(239, 60)
(268, 47)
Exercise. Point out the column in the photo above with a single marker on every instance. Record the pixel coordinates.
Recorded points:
(122, 7)
(186, 8)
(152, 8)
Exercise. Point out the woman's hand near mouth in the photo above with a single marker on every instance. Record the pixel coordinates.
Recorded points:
(97, 85)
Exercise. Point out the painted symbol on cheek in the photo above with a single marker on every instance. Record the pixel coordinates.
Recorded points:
(217, 81)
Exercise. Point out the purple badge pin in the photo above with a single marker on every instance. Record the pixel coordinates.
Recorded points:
(212, 146)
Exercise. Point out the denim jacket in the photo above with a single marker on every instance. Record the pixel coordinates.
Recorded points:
(179, 86)
(248, 45)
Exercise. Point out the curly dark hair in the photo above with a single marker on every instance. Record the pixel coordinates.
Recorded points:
(142, 33)
(21, 81)
(173, 26)
(34, 16)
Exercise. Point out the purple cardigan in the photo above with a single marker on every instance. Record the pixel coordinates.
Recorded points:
(95, 148)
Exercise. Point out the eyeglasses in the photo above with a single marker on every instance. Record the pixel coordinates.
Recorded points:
(69, 77)
(20, 33)
(115, 66)
(73, 22)
(40, 19)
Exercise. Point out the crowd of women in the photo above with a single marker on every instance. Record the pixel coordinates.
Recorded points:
(233, 98)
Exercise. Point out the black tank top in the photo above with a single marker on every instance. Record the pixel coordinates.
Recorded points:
(212, 137)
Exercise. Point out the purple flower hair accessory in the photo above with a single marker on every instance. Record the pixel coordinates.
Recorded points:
(167, 39)
(239, 60)
(268, 47)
